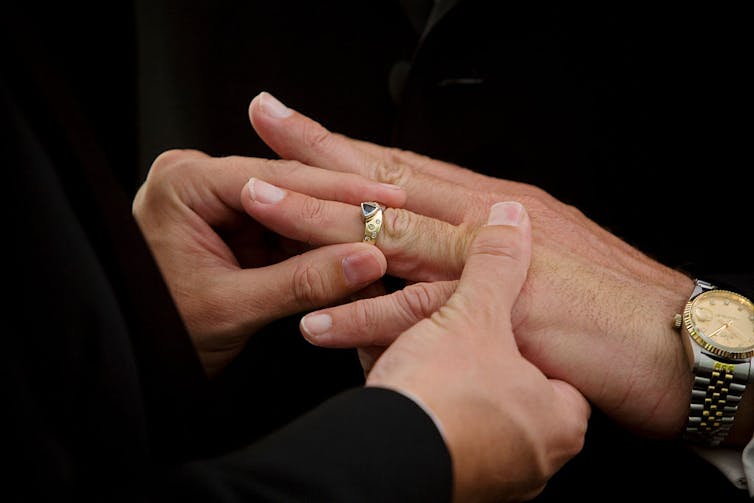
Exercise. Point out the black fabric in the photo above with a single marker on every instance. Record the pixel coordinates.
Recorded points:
(70, 385)
(61, 152)
(632, 115)
(369, 445)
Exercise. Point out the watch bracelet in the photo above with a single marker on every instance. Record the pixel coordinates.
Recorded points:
(716, 393)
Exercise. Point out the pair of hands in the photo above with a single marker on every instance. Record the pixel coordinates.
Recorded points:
(575, 317)
(461, 363)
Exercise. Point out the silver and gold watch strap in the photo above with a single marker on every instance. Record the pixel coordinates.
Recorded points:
(717, 391)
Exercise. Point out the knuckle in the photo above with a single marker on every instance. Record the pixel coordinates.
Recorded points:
(176, 155)
(165, 162)
(236, 162)
(506, 251)
(397, 155)
(310, 285)
(418, 301)
(171, 164)
(398, 226)
(159, 182)
(487, 242)
(316, 137)
(364, 318)
(465, 235)
(396, 173)
(167, 157)
(312, 210)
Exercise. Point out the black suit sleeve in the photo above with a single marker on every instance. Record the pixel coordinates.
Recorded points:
(364, 445)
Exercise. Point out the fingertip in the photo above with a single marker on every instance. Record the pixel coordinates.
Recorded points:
(364, 265)
(250, 188)
(247, 194)
(378, 254)
(497, 263)
(270, 106)
(314, 325)
(253, 104)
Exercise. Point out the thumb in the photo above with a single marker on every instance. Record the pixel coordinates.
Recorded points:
(574, 404)
(496, 266)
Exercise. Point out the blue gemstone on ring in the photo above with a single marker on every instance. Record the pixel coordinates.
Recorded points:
(369, 209)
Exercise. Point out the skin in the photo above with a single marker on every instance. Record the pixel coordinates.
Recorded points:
(229, 279)
(462, 364)
(594, 311)
(228, 275)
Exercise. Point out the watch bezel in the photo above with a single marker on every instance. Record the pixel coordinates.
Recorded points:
(708, 344)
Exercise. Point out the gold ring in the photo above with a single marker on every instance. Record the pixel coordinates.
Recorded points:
(371, 213)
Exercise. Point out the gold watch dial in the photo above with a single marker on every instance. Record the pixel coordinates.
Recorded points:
(722, 322)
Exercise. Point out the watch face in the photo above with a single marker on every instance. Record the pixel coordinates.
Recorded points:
(722, 322)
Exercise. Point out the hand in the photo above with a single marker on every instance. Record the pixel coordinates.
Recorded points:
(228, 275)
(462, 364)
(594, 311)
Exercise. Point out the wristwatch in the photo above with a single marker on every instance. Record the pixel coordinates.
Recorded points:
(720, 326)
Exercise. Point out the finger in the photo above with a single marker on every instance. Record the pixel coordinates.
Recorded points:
(496, 267)
(210, 186)
(312, 280)
(377, 321)
(295, 136)
(418, 248)
(449, 172)
(178, 154)
(426, 165)
(368, 356)
(320, 183)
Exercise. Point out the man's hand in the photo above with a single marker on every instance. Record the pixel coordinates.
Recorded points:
(230, 276)
(507, 426)
(594, 311)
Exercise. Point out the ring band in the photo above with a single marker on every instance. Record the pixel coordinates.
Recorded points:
(371, 213)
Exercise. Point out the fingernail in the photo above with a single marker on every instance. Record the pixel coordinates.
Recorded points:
(361, 268)
(272, 107)
(316, 324)
(506, 213)
(263, 192)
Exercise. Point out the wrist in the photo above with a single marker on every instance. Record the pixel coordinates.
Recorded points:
(671, 360)
(649, 387)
